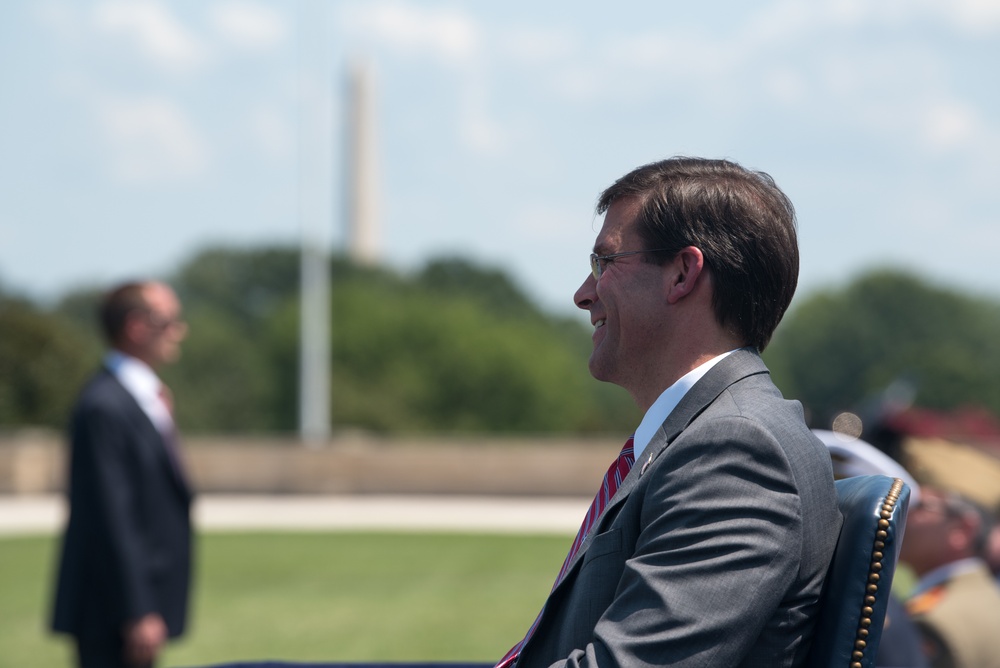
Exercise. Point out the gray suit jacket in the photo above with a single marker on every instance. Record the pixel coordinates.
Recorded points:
(713, 551)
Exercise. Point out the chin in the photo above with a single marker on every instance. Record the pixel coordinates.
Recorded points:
(170, 358)
(598, 370)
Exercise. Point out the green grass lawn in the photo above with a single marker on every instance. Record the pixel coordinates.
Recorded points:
(317, 597)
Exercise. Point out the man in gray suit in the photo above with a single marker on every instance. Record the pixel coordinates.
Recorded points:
(714, 548)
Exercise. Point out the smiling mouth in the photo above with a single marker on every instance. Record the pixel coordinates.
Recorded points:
(600, 323)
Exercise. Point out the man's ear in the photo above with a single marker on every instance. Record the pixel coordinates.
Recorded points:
(685, 270)
(134, 329)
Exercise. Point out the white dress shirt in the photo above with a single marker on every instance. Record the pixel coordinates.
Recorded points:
(144, 385)
(667, 402)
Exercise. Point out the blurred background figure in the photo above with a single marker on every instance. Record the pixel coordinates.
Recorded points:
(956, 603)
(991, 551)
(124, 575)
(901, 645)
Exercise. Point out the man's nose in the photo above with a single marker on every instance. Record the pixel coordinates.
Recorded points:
(586, 294)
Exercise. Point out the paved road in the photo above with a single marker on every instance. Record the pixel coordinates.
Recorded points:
(27, 515)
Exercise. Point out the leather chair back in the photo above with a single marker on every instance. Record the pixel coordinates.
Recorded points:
(856, 592)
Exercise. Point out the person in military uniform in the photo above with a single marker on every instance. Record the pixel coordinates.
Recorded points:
(956, 603)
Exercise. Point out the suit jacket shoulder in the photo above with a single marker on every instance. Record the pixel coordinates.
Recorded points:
(714, 549)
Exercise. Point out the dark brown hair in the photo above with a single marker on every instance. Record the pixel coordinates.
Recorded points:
(739, 219)
(116, 306)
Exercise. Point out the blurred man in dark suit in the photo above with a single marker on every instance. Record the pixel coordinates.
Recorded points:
(124, 575)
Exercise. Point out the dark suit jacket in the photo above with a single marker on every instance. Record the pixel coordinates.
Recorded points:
(900, 643)
(127, 547)
(713, 551)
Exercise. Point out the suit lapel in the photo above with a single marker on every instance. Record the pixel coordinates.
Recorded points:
(153, 437)
(741, 364)
(176, 472)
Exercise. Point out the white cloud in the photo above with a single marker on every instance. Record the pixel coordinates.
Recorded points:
(975, 16)
(57, 17)
(249, 25)
(481, 135)
(580, 84)
(546, 221)
(152, 140)
(447, 34)
(902, 93)
(454, 40)
(968, 16)
(679, 54)
(153, 30)
(950, 125)
(784, 19)
(795, 20)
(477, 129)
(786, 85)
(540, 45)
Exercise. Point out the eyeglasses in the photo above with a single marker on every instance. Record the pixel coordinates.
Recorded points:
(948, 507)
(161, 324)
(598, 262)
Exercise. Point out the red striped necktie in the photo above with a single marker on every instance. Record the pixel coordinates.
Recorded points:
(612, 480)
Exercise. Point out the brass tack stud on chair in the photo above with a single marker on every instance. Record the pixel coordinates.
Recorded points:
(873, 576)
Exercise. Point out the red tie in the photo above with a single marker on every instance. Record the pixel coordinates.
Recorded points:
(170, 439)
(167, 397)
(612, 480)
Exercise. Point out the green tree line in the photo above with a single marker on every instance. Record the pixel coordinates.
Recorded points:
(453, 348)
(456, 347)
(838, 349)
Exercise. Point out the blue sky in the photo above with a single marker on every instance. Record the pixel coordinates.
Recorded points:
(135, 132)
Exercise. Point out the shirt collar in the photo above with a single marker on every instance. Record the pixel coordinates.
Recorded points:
(135, 375)
(667, 402)
(942, 574)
